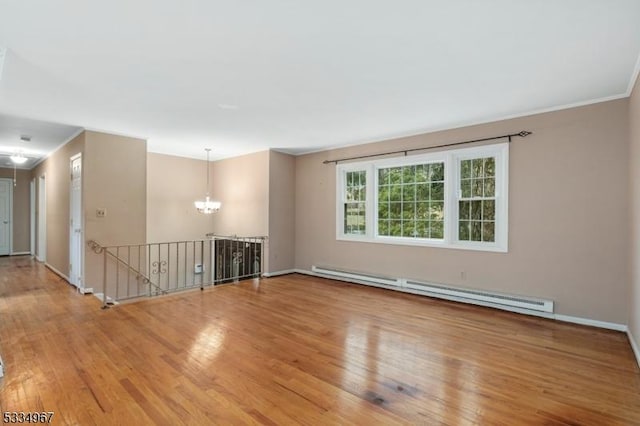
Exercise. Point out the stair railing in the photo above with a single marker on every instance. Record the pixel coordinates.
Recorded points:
(146, 270)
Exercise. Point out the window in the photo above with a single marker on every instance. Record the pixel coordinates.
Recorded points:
(355, 203)
(411, 201)
(453, 199)
(477, 205)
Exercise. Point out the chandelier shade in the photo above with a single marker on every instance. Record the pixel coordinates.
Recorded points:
(208, 206)
(18, 158)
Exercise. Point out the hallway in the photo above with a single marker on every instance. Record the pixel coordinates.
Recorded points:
(298, 349)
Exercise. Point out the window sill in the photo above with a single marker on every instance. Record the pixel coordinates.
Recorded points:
(425, 243)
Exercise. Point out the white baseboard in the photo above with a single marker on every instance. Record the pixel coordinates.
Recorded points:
(83, 290)
(557, 317)
(19, 253)
(634, 346)
(592, 323)
(55, 271)
(278, 273)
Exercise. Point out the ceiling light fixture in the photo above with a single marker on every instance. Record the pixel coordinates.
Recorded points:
(208, 206)
(18, 158)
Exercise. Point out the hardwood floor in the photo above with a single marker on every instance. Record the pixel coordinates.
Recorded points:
(298, 349)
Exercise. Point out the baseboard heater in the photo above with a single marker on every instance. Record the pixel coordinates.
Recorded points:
(466, 295)
(357, 277)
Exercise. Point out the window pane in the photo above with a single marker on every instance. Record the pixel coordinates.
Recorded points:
(488, 231)
(476, 210)
(362, 193)
(489, 187)
(437, 191)
(464, 210)
(488, 210)
(350, 193)
(383, 210)
(465, 186)
(395, 193)
(383, 177)
(408, 192)
(395, 228)
(489, 167)
(395, 210)
(422, 229)
(422, 211)
(477, 187)
(408, 228)
(408, 210)
(437, 171)
(395, 175)
(436, 211)
(422, 192)
(421, 174)
(437, 229)
(476, 167)
(464, 230)
(408, 174)
(354, 218)
(383, 193)
(465, 169)
(476, 231)
(383, 227)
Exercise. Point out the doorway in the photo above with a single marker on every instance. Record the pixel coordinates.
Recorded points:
(42, 220)
(75, 222)
(6, 213)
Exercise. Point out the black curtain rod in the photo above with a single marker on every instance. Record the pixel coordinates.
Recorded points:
(521, 134)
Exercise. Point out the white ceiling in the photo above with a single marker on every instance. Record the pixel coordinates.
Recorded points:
(243, 76)
(45, 137)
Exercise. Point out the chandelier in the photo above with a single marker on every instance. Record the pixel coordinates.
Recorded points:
(208, 206)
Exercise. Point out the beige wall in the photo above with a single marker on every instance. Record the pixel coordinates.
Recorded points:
(56, 170)
(634, 157)
(21, 230)
(114, 178)
(173, 184)
(567, 215)
(281, 242)
(242, 185)
(256, 192)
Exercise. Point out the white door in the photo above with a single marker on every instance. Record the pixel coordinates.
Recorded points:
(32, 217)
(6, 196)
(75, 228)
(42, 219)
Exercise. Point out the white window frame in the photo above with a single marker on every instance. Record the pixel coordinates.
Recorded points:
(451, 159)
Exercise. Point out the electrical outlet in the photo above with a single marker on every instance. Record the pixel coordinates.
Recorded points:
(101, 212)
(198, 268)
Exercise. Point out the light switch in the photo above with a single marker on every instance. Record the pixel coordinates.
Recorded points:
(101, 212)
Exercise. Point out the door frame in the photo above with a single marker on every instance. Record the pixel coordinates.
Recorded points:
(42, 218)
(32, 217)
(79, 281)
(10, 181)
